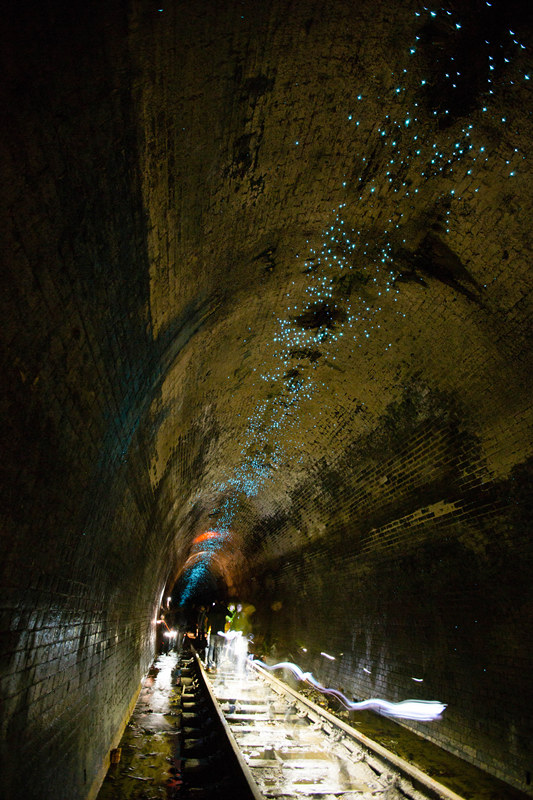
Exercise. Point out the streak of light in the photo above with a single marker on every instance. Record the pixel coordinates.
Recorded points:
(421, 710)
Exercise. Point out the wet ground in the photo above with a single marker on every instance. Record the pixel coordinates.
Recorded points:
(294, 755)
(463, 778)
(150, 766)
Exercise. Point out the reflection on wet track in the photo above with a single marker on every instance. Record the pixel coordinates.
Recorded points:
(293, 748)
(261, 739)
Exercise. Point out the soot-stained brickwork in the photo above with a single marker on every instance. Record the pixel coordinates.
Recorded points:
(418, 593)
(265, 275)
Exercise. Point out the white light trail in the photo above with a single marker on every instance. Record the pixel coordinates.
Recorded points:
(420, 710)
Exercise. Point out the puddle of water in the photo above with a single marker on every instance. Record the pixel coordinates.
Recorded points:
(150, 744)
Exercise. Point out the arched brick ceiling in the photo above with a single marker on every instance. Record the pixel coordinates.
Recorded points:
(277, 222)
(336, 212)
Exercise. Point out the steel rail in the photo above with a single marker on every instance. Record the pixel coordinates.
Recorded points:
(416, 776)
(252, 785)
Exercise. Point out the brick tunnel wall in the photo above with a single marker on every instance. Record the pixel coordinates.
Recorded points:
(81, 570)
(421, 570)
(86, 549)
(163, 173)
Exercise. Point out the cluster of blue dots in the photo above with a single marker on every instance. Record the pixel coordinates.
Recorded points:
(406, 152)
(197, 576)
(200, 568)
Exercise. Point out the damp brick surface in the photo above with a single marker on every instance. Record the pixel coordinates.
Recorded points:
(265, 274)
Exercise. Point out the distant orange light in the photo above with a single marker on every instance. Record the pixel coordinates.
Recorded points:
(204, 536)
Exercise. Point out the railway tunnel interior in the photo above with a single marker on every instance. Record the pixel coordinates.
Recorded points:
(266, 277)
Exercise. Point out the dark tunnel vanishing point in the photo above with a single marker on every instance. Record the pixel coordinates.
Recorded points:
(266, 334)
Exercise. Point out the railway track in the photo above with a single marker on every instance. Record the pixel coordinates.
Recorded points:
(241, 734)
(289, 747)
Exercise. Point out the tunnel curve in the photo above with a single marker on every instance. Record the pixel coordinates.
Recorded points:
(266, 277)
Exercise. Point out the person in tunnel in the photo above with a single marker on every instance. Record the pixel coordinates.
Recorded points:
(200, 642)
(241, 620)
(216, 620)
(191, 618)
(166, 634)
(180, 625)
(241, 633)
(229, 616)
(160, 639)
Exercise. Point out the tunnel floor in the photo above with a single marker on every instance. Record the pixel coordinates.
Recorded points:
(150, 756)
(149, 765)
(465, 779)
